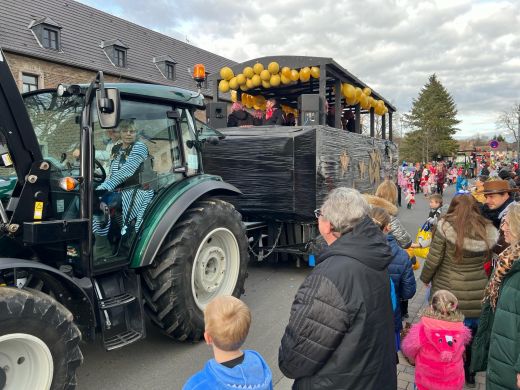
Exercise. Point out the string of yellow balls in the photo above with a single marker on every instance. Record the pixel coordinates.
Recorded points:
(273, 76)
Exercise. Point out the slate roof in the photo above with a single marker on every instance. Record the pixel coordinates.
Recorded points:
(83, 29)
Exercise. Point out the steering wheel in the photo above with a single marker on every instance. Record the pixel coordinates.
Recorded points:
(99, 174)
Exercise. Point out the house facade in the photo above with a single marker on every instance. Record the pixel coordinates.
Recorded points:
(48, 42)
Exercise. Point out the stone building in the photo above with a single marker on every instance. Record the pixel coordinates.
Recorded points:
(48, 42)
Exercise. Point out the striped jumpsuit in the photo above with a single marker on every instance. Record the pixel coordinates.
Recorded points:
(124, 164)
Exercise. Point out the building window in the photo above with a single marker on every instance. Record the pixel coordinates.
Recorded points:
(30, 82)
(50, 39)
(120, 57)
(47, 32)
(170, 71)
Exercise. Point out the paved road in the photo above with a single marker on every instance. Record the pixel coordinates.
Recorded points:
(158, 363)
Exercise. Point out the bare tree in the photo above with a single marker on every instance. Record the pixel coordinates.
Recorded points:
(509, 121)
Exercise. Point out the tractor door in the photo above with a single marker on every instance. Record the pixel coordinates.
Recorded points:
(164, 159)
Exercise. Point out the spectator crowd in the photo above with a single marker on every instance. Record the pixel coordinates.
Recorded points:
(346, 322)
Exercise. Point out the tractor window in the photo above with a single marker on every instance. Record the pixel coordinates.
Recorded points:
(188, 134)
(55, 121)
(155, 130)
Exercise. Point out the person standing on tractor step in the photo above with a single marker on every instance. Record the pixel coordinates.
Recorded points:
(226, 321)
(127, 158)
(341, 329)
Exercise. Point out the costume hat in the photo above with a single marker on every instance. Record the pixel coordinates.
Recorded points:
(497, 187)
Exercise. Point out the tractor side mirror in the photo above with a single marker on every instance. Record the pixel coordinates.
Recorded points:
(108, 107)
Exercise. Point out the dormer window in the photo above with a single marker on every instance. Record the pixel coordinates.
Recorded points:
(50, 38)
(170, 71)
(120, 57)
(166, 66)
(47, 32)
(116, 51)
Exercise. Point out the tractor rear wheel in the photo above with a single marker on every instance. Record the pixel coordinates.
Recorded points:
(204, 255)
(39, 343)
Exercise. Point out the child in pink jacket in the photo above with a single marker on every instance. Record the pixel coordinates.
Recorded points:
(436, 344)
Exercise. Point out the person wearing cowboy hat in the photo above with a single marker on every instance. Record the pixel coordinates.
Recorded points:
(498, 194)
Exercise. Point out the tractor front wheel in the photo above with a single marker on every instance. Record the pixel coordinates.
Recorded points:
(204, 255)
(39, 343)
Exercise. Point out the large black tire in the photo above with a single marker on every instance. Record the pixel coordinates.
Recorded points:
(170, 300)
(31, 312)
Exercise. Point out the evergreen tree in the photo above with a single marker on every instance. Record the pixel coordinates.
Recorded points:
(433, 122)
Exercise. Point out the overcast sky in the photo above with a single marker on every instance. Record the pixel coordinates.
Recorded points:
(393, 45)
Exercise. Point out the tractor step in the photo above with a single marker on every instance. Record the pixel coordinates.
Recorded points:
(122, 339)
(118, 300)
(120, 307)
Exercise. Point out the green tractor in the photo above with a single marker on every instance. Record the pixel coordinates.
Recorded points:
(88, 248)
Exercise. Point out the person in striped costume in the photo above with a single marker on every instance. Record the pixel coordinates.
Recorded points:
(123, 184)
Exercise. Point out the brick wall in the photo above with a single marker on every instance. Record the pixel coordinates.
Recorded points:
(51, 74)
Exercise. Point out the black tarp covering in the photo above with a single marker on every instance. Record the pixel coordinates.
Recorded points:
(285, 173)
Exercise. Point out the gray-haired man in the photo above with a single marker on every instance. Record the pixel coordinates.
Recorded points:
(341, 332)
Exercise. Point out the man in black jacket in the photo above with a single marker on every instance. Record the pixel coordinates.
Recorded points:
(341, 332)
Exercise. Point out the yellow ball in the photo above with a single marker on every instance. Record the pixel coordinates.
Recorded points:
(286, 71)
(233, 84)
(315, 72)
(359, 92)
(233, 96)
(257, 81)
(295, 75)
(367, 91)
(363, 101)
(244, 88)
(226, 73)
(285, 80)
(275, 80)
(248, 72)
(259, 100)
(258, 68)
(351, 101)
(223, 86)
(305, 74)
(266, 84)
(241, 79)
(249, 84)
(349, 91)
(265, 75)
(273, 67)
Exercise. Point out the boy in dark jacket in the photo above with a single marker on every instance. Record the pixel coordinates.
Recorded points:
(227, 321)
(341, 332)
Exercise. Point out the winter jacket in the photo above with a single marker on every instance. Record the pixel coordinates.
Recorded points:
(341, 333)
(252, 373)
(437, 347)
(465, 278)
(239, 118)
(396, 228)
(497, 342)
(276, 118)
(400, 270)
